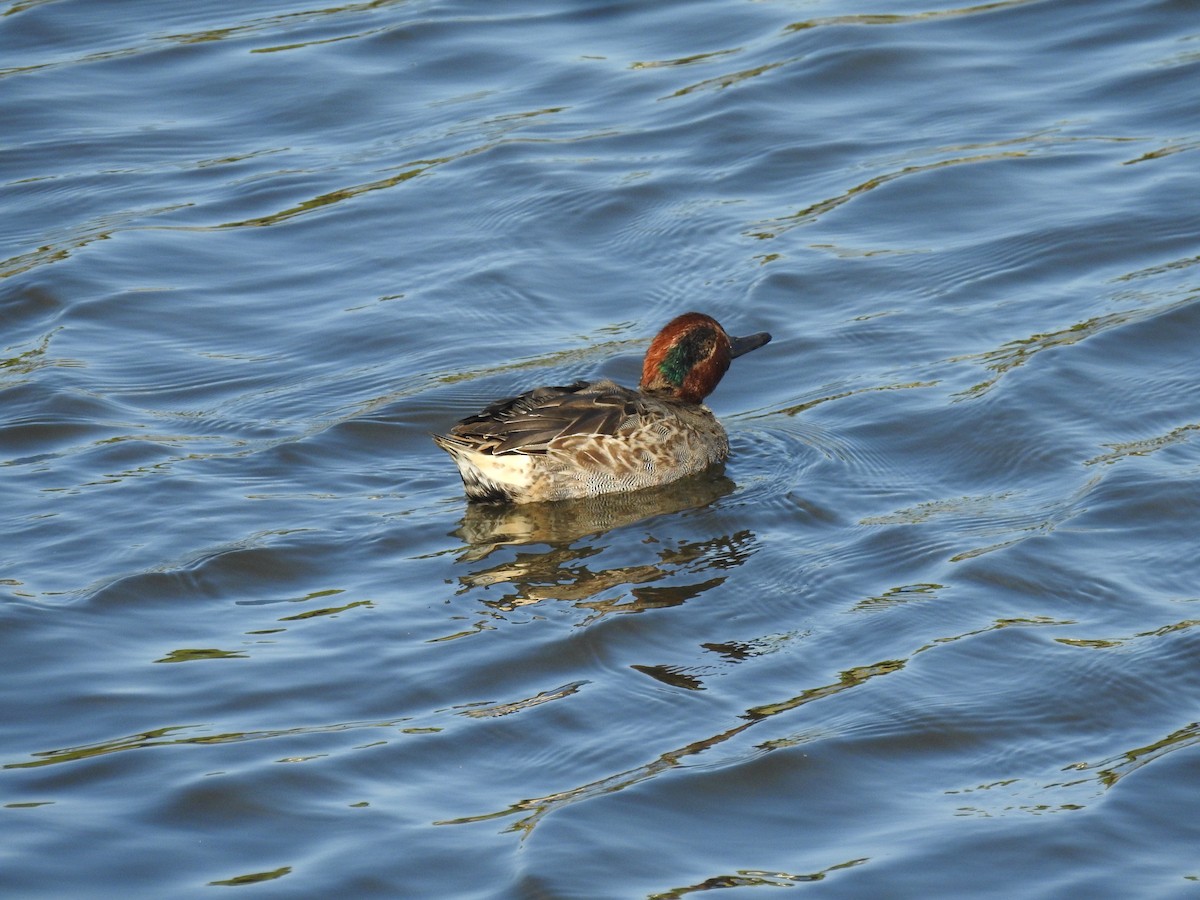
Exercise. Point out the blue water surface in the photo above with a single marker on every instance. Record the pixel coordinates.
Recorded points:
(929, 633)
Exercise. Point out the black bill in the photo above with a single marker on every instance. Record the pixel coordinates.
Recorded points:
(740, 345)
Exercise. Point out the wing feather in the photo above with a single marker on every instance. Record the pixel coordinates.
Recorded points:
(530, 423)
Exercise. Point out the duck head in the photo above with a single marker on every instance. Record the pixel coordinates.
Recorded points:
(688, 358)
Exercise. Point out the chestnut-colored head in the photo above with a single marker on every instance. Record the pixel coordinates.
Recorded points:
(688, 358)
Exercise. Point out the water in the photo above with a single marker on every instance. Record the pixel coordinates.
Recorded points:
(932, 632)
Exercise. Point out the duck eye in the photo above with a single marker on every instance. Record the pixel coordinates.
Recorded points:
(684, 354)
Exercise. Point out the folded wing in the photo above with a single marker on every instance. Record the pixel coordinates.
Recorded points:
(531, 422)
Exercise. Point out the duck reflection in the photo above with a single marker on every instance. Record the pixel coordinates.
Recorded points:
(562, 544)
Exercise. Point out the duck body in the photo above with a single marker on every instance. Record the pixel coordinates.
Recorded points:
(591, 438)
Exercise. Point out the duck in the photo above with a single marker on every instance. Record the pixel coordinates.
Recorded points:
(591, 438)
